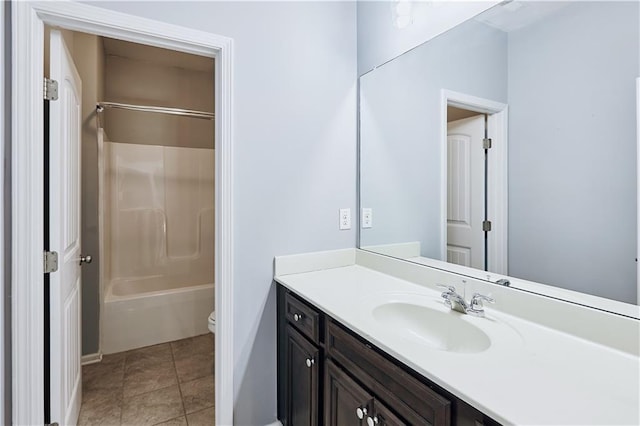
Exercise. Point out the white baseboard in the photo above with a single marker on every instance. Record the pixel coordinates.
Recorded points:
(91, 358)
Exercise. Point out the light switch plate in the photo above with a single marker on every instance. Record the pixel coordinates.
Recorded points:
(367, 217)
(345, 219)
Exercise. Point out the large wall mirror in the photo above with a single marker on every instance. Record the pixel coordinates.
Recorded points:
(506, 147)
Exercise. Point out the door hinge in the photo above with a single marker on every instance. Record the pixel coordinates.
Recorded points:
(50, 90)
(50, 261)
(486, 143)
(486, 225)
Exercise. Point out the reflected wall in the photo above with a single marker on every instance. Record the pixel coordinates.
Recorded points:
(567, 73)
(400, 121)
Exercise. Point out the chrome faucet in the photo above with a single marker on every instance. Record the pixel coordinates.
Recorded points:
(456, 302)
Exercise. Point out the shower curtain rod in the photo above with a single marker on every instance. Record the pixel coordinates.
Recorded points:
(162, 110)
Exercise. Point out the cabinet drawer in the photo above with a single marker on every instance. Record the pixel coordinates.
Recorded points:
(304, 317)
(411, 399)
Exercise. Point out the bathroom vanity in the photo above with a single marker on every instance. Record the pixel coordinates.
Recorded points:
(329, 375)
(537, 201)
(481, 169)
(366, 339)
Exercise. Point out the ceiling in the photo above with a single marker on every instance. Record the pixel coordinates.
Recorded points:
(514, 15)
(157, 55)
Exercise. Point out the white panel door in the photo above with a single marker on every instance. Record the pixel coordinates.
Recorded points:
(64, 237)
(465, 192)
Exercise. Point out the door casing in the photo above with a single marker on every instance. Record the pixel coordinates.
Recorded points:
(638, 186)
(27, 337)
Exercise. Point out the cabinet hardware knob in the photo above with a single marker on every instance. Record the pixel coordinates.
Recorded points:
(361, 412)
(85, 259)
(372, 421)
(310, 362)
(297, 317)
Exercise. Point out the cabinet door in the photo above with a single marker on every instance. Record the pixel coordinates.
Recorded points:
(303, 363)
(346, 403)
(411, 399)
(382, 416)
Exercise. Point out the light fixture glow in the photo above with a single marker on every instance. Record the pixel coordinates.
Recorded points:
(401, 12)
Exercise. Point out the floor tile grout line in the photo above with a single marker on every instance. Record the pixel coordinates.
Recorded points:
(144, 367)
(185, 419)
(199, 411)
(152, 390)
(201, 408)
(124, 366)
(175, 370)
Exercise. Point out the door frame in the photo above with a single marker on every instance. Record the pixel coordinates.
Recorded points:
(27, 347)
(498, 196)
(4, 411)
(638, 188)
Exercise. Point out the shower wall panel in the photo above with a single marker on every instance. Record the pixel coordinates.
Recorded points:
(159, 212)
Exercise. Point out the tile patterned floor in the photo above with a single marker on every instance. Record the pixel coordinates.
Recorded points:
(167, 384)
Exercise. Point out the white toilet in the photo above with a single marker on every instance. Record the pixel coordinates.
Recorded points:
(212, 322)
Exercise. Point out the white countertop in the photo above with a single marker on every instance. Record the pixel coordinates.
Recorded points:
(530, 374)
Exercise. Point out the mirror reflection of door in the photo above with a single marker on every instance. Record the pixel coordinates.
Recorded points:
(465, 188)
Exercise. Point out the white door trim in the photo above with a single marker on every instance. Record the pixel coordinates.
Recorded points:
(4, 337)
(28, 19)
(638, 187)
(498, 197)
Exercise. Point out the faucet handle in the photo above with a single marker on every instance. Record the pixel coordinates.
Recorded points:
(449, 289)
(477, 299)
(446, 295)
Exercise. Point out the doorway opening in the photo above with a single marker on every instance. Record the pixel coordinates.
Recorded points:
(137, 208)
(28, 393)
(474, 188)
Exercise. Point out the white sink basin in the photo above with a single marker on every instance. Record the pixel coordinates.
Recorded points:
(441, 330)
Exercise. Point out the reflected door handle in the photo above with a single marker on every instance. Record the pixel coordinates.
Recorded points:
(85, 259)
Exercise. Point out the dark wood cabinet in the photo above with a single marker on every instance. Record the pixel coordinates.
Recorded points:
(382, 416)
(410, 398)
(328, 375)
(303, 317)
(347, 403)
(300, 362)
(302, 380)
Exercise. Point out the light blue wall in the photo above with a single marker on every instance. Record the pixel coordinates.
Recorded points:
(379, 40)
(295, 155)
(572, 149)
(400, 116)
(572, 144)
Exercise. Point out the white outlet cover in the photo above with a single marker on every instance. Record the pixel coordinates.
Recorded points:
(367, 217)
(345, 219)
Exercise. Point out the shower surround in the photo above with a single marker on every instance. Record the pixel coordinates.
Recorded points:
(157, 243)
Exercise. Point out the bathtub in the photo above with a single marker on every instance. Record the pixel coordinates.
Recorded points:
(147, 311)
